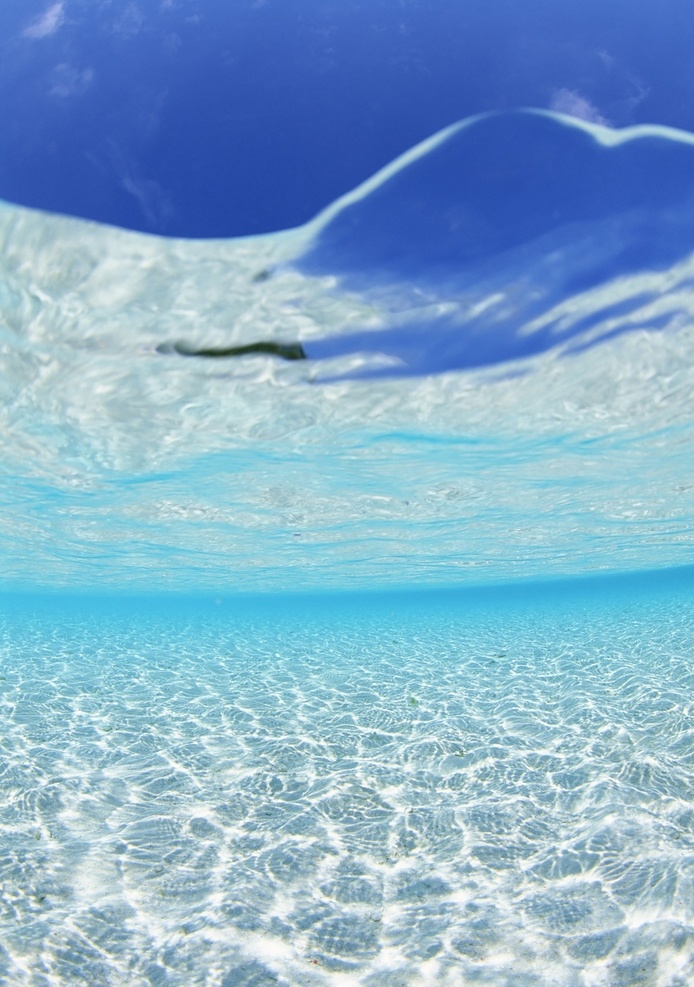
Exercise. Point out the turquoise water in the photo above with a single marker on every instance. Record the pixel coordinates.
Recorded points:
(346, 630)
(414, 789)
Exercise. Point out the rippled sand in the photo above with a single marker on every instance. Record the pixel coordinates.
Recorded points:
(408, 795)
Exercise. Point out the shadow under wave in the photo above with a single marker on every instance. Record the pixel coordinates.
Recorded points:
(511, 234)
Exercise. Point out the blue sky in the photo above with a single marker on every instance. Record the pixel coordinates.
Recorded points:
(219, 118)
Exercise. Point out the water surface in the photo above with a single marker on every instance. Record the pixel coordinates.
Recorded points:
(496, 382)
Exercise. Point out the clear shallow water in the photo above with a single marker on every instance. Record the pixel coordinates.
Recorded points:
(380, 791)
(477, 367)
(497, 384)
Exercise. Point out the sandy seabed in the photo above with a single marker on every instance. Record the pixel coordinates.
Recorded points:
(408, 796)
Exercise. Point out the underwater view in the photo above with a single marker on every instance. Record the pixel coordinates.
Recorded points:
(383, 790)
(347, 529)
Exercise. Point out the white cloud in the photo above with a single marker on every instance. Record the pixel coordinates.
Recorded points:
(46, 23)
(151, 198)
(65, 81)
(573, 104)
(129, 22)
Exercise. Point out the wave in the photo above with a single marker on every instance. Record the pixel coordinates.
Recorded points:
(511, 234)
(382, 395)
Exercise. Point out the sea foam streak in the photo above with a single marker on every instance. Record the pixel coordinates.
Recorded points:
(436, 430)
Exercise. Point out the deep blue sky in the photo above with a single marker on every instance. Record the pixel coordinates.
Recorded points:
(230, 117)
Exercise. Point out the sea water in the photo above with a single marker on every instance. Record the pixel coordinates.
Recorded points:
(293, 687)
(396, 790)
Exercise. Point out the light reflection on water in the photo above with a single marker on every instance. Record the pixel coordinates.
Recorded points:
(497, 382)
